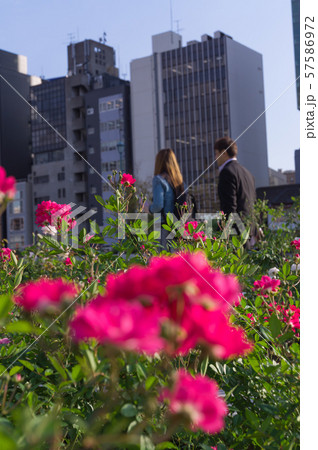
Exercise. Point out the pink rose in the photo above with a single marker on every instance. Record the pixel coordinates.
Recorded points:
(5, 253)
(266, 284)
(68, 262)
(50, 213)
(127, 179)
(118, 322)
(4, 341)
(7, 186)
(296, 244)
(44, 294)
(198, 398)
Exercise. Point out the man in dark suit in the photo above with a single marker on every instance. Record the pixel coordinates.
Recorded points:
(236, 184)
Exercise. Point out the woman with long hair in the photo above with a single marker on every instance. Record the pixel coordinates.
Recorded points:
(167, 185)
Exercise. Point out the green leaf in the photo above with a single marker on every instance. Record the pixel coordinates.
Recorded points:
(15, 370)
(228, 395)
(254, 363)
(14, 258)
(286, 269)
(5, 305)
(252, 418)
(141, 372)
(153, 235)
(266, 423)
(164, 445)
(204, 366)
(27, 364)
(236, 242)
(274, 325)
(7, 443)
(57, 366)
(169, 219)
(295, 348)
(91, 359)
(286, 336)
(76, 372)
(150, 382)
(208, 244)
(129, 410)
(52, 242)
(258, 302)
(23, 327)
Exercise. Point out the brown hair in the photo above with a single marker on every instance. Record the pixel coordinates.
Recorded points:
(167, 165)
(226, 143)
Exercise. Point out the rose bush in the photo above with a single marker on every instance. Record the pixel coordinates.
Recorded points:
(129, 346)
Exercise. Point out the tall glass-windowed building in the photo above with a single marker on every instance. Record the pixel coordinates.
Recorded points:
(187, 97)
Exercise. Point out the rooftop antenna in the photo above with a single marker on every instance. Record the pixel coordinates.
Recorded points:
(178, 28)
(103, 39)
(71, 37)
(171, 18)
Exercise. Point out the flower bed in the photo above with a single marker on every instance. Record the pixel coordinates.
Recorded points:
(137, 347)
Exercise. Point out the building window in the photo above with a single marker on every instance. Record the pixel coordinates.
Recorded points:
(91, 171)
(90, 111)
(16, 240)
(61, 193)
(91, 150)
(45, 157)
(90, 130)
(38, 200)
(17, 224)
(41, 179)
(93, 190)
(61, 176)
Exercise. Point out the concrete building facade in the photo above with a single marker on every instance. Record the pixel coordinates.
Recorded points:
(20, 217)
(187, 97)
(63, 168)
(108, 136)
(15, 130)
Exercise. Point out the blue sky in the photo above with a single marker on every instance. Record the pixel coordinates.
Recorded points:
(40, 30)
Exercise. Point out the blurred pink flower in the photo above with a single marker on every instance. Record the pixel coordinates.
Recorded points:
(68, 262)
(4, 341)
(296, 243)
(119, 323)
(212, 330)
(198, 398)
(7, 186)
(199, 235)
(191, 298)
(127, 179)
(5, 253)
(44, 294)
(167, 279)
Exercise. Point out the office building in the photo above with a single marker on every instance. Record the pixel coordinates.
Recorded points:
(20, 217)
(276, 177)
(108, 136)
(187, 97)
(15, 132)
(73, 105)
(52, 166)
